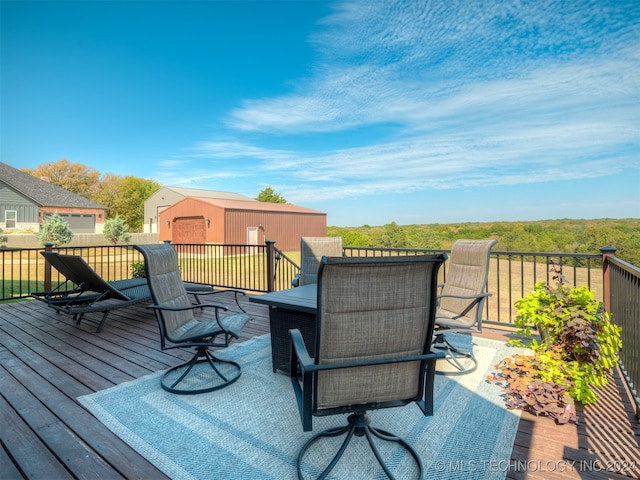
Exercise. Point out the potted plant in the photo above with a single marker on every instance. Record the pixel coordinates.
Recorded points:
(574, 350)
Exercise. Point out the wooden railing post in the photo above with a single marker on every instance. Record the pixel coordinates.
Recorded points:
(48, 247)
(607, 252)
(271, 265)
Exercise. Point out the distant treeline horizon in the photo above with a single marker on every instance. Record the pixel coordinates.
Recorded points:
(558, 236)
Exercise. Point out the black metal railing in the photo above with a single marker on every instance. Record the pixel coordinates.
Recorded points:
(263, 268)
(513, 275)
(622, 300)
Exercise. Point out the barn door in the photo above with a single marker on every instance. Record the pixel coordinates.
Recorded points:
(252, 235)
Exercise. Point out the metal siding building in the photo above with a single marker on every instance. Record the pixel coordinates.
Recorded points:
(168, 196)
(206, 220)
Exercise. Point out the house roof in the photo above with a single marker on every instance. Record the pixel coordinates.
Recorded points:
(202, 193)
(43, 193)
(255, 205)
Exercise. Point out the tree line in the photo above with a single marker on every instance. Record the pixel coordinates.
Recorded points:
(125, 197)
(565, 236)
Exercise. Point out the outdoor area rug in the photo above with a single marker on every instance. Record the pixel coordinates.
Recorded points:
(252, 430)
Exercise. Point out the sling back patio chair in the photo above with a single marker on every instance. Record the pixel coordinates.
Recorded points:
(204, 372)
(375, 322)
(312, 249)
(84, 291)
(461, 303)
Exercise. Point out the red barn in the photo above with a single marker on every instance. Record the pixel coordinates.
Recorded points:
(223, 221)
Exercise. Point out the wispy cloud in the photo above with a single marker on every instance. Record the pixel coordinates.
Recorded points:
(472, 95)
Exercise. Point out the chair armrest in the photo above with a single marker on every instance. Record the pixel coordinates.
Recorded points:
(468, 297)
(189, 307)
(299, 354)
(303, 388)
(236, 292)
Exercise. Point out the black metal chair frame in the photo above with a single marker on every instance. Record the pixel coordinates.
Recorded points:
(201, 343)
(84, 291)
(453, 354)
(201, 335)
(304, 369)
(358, 422)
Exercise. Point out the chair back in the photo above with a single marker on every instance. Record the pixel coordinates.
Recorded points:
(466, 276)
(312, 249)
(78, 271)
(167, 289)
(369, 309)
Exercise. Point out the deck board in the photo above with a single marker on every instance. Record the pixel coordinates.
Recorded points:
(47, 361)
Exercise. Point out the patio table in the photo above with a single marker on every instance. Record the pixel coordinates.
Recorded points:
(292, 308)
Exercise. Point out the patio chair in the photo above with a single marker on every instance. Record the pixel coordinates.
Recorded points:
(84, 291)
(375, 322)
(204, 372)
(312, 249)
(461, 302)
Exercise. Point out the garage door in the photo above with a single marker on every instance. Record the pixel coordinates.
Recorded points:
(189, 230)
(79, 222)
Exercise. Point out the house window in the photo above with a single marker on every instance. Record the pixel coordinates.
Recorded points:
(10, 219)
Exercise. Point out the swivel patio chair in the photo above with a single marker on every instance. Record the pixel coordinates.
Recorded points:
(375, 322)
(312, 249)
(205, 372)
(461, 302)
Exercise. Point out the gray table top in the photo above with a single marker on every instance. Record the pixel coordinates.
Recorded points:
(299, 299)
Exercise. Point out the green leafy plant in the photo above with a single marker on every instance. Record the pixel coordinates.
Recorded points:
(137, 270)
(55, 231)
(577, 347)
(116, 230)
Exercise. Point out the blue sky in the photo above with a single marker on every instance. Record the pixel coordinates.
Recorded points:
(421, 111)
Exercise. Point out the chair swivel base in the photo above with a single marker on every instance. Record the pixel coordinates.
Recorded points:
(203, 373)
(359, 425)
(455, 357)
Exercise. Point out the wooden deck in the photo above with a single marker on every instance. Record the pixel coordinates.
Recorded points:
(46, 361)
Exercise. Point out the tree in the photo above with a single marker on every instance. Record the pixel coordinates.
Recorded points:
(74, 177)
(393, 236)
(116, 230)
(125, 197)
(55, 230)
(269, 195)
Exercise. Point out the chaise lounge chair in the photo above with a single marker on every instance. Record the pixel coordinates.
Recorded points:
(84, 291)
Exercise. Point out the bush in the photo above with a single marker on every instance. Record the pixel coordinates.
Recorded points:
(137, 270)
(116, 230)
(578, 345)
(55, 231)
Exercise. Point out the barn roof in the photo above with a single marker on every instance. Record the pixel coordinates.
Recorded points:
(202, 193)
(43, 193)
(257, 206)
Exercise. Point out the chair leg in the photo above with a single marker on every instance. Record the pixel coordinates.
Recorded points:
(359, 425)
(453, 354)
(219, 374)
